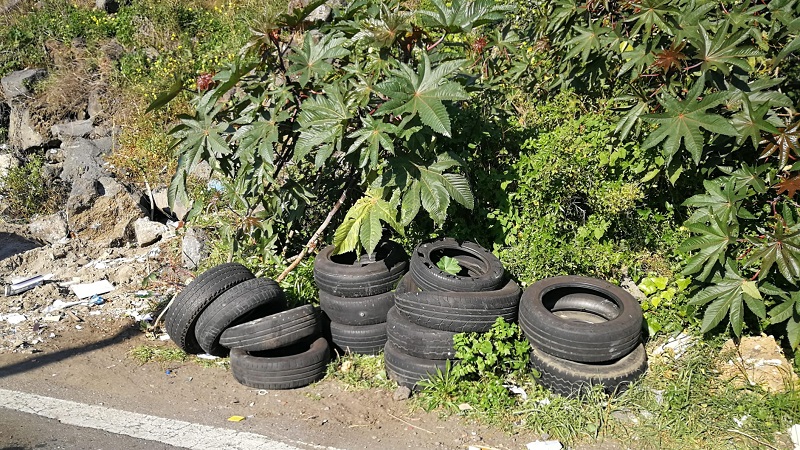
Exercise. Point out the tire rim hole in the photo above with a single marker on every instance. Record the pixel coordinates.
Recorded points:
(582, 300)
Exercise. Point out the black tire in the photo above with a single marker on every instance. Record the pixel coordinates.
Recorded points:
(277, 330)
(418, 341)
(569, 378)
(189, 304)
(357, 311)
(346, 275)
(481, 270)
(361, 340)
(249, 300)
(409, 370)
(458, 311)
(284, 368)
(581, 319)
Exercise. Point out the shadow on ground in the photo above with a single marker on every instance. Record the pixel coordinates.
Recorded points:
(12, 244)
(42, 359)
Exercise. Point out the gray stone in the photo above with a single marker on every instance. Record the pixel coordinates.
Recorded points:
(21, 133)
(49, 229)
(52, 171)
(17, 84)
(633, 289)
(193, 248)
(80, 161)
(108, 220)
(401, 393)
(7, 161)
(82, 195)
(79, 128)
(109, 6)
(94, 106)
(105, 144)
(161, 201)
(110, 186)
(202, 171)
(147, 231)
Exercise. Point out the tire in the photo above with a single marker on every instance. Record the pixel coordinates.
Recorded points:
(277, 330)
(458, 311)
(346, 276)
(418, 341)
(249, 300)
(356, 311)
(284, 368)
(481, 270)
(581, 319)
(409, 370)
(361, 340)
(570, 379)
(189, 304)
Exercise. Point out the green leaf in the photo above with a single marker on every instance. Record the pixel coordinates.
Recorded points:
(750, 123)
(587, 40)
(726, 297)
(166, 97)
(370, 138)
(313, 59)
(683, 120)
(361, 227)
(786, 309)
(411, 204)
(652, 13)
(422, 93)
(751, 288)
(722, 199)
(724, 51)
(781, 246)
(712, 244)
(449, 265)
(322, 123)
(462, 16)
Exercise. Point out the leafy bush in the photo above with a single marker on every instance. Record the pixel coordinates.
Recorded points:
(359, 103)
(25, 191)
(701, 80)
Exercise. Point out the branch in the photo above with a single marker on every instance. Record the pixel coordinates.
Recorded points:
(435, 44)
(312, 243)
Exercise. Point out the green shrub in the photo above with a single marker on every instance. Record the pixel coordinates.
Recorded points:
(26, 192)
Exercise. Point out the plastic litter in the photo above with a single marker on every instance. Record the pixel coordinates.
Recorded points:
(14, 318)
(516, 390)
(677, 345)
(96, 300)
(90, 289)
(544, 445)
(207, 356)
(20, 285)
(235, 418)
(794, 434)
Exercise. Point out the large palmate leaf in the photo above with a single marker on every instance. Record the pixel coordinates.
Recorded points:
(722, 200)
(789, 185)
(652, 13)
(750, 123)
(385, 30)
(711, 244)
(362, 227)
(421, 93)
(780, 247)
(374, 135)
(788, 311)
(313, 59)
(727, 297)
(723, 51)
(684, 120)
(587, 40)
(461, 16)
(746, 176)
(783, 143)
(322, 124)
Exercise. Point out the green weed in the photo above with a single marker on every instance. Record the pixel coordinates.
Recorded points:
(359, 371)
(144, 354)
(26, 192)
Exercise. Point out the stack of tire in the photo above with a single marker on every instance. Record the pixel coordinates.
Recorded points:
(583, 332)
(228, 310)
(432, 305)
(356, 292)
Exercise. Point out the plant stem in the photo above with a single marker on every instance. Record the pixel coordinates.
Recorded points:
(312, 243)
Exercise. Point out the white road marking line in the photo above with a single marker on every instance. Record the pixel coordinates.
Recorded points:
(142, 426)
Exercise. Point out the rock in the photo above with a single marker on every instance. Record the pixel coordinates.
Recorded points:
(80, 161)
(7, 162)
(147, 231)
(94, 106)
(108, 221)
(202, 171)
(79, 128)
(50, 228)
(757, 360)
(17, 84)
(633, 289)
(123, 274)
(109, 6)
(401, 393)
(21, 132)
(794, 435)
(109, 186)
(82, 195)
(193, 248)
(52, 171)
(162, 203)
(105, 144)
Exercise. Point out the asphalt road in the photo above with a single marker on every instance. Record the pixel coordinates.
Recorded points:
(22, 431)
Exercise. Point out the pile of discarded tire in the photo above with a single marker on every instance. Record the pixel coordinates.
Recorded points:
(356, 293)
(583, 332)
(227, 309)
(432, 305)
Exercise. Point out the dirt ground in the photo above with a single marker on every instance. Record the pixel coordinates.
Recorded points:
(81, 353)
